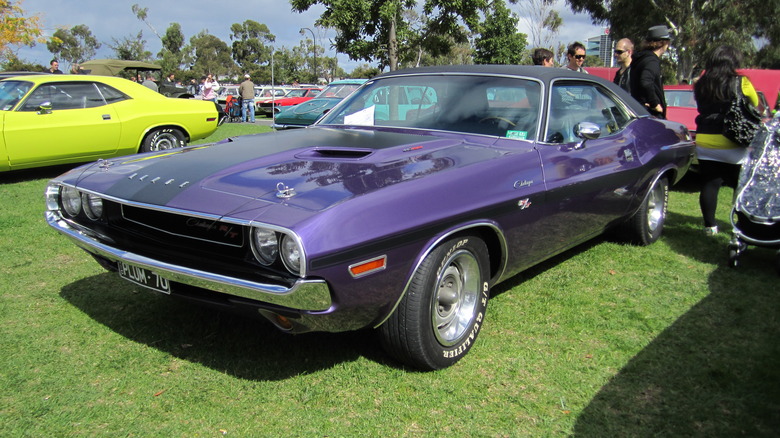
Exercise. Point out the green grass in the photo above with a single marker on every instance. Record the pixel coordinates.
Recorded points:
(605, 340)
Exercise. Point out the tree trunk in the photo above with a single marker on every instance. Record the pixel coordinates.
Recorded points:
(392, 55)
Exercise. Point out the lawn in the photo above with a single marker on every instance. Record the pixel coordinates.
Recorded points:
(605, 340)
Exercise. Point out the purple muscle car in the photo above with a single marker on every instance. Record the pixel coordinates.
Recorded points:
(398, 211)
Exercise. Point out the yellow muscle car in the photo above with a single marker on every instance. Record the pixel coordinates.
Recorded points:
(58, 119)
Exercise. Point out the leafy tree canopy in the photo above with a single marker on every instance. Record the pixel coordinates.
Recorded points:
(131, 48)
(74, 45)
(16, 29)
(372, 29)
(212, 55)
(249, 44)
(499, 42)
(699, 25)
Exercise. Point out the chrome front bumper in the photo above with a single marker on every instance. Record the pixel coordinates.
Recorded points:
(311, 295)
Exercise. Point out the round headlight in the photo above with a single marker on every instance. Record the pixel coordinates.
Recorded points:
(291, 254)
(265, 245)
(71, 201)
(92, 205)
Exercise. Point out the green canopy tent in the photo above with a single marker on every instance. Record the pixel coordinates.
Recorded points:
(112, 67)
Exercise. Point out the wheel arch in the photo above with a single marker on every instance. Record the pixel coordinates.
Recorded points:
(490, 233)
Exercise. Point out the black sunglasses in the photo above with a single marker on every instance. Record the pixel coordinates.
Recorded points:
(619, 52)
(579, 56)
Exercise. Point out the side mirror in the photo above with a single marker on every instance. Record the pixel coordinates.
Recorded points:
(586, 131)
(44, 108)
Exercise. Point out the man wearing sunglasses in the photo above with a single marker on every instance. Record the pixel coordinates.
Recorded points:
(623, 50)
(575, 53)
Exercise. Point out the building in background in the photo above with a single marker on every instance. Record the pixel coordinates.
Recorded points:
(601, 46)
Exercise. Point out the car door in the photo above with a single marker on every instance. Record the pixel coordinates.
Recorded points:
(588, 182)
(61, 122)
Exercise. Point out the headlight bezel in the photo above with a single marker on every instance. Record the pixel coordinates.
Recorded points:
(70, 200)
(291, 253)
(74, 203)
(268, 252)
(90, 203)
(280, 260)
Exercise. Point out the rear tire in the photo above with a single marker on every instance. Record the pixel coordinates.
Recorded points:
(439, 318)
(163, 139)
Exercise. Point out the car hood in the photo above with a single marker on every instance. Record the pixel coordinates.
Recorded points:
(312, 170)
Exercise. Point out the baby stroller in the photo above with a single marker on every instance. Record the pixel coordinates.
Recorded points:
(755, 217)
(233, 108)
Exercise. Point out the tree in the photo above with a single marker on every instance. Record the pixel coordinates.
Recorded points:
(499, 42)
(13, 63)
(698, 25)
(311, 59)
(17, 30)
(249, 44)
(74, 45)
(364, 71)
(173, 54)
(369, 29)
(212, 55)
(543, 21)
(131, 48)
(142, 14)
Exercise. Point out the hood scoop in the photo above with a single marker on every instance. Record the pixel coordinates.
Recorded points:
(335, 153)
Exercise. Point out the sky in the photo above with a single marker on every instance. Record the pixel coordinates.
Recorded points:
(114, 19)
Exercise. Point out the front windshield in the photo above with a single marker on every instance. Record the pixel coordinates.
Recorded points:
(11, 92)
(491, 105)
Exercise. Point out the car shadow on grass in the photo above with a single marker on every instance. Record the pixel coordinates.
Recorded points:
(716, 370)
(244, 347)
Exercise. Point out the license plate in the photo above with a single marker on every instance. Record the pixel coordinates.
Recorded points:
(143, 277)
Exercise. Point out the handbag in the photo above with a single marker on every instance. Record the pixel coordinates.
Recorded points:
(742, 120)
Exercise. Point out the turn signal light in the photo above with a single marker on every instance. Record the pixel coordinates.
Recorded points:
(368, 267)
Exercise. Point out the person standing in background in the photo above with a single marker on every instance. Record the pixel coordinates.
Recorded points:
(54, 67)
(543, 57)
(575, 53)
(247, 92)
(646, 83)
(720, 159)
(623, 51)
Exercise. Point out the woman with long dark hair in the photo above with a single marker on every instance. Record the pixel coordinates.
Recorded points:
(719, 158)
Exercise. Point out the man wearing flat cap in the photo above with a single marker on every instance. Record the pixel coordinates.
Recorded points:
(647, 86)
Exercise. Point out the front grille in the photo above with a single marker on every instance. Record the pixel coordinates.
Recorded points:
(186, 226)
(190, 241)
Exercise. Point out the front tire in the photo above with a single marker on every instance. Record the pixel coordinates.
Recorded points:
(163, 139)
(647, 224)
(439, 318)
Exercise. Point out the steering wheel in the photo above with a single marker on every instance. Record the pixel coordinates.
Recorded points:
(501, 119)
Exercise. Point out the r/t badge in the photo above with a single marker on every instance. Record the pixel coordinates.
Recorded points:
(524, 203)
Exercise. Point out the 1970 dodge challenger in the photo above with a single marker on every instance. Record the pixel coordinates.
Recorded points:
(397, 211)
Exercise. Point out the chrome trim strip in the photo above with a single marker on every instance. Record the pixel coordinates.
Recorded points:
(311, 295)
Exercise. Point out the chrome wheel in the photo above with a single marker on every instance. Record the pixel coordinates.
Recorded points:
(656, 207)
(166, 140)
(455, 297)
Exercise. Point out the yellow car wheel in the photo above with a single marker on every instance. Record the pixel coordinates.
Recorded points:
(162, 139)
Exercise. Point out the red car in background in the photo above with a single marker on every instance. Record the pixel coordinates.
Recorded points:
(294, 97)
(681, 106)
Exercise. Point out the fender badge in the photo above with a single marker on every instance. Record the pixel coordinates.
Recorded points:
(524, 203)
